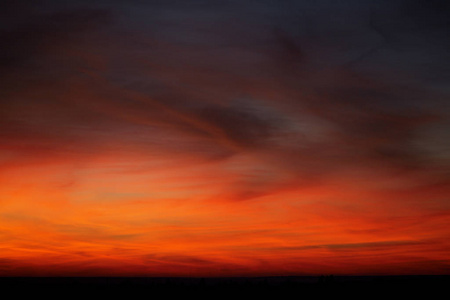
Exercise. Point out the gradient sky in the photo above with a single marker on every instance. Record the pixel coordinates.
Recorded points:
(224, 138)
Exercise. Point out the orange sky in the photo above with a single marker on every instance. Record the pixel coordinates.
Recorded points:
(158, 140)
(123, 214)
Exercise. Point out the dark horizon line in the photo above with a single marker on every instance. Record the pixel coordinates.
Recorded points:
(230, 277)
(281, 287)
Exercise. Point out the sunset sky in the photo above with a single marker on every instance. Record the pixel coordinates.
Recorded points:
(224, 137)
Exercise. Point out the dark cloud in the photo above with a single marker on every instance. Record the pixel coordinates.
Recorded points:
(187, 260)
(240, 127)
(43, 34)
(383, 245)
(377, 120)
(373, 245)
(164, 76)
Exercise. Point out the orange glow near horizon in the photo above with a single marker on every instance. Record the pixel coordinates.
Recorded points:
(186, 221)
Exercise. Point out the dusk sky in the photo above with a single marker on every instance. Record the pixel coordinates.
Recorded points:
(224, 137)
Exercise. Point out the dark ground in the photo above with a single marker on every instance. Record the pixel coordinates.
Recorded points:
(304, 287)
